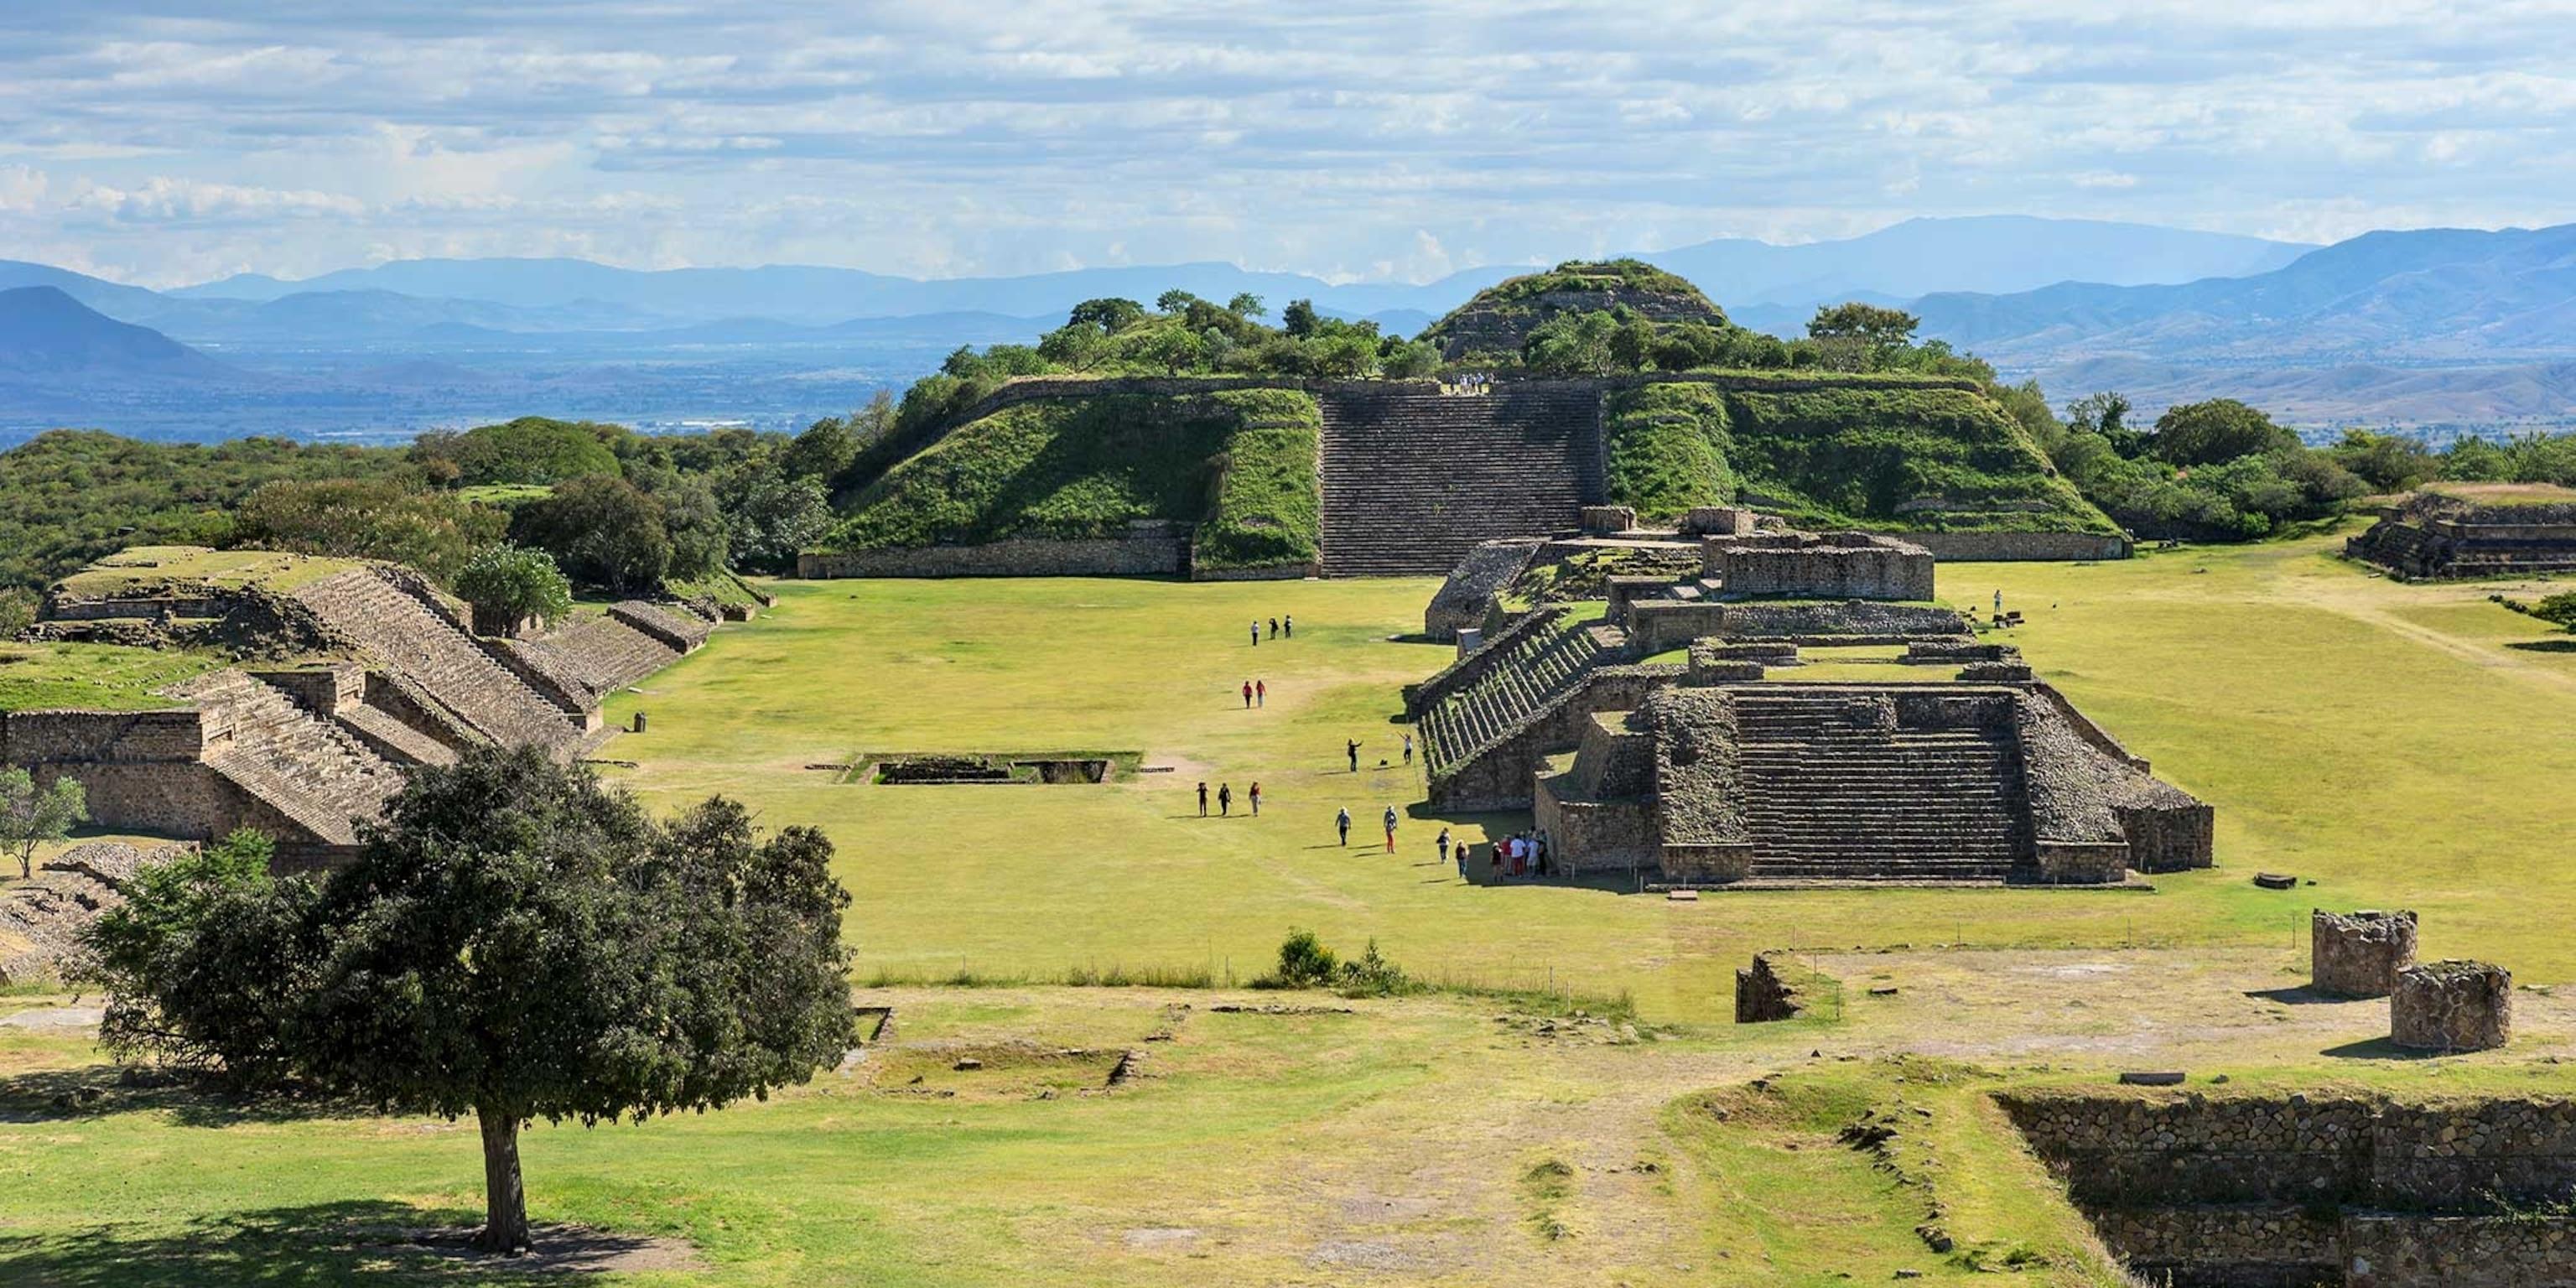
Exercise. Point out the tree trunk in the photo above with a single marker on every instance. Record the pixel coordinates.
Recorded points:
(505, 1199)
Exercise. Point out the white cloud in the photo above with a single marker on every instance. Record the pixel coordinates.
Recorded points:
(1341, 136)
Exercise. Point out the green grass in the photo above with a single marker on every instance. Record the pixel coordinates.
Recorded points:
(1841, 457)
(1243, 461)
(93, 677)
(1667, 449)
(505, 495)
(2384, 739)
(226, 569)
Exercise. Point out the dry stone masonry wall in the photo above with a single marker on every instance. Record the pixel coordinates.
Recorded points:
(2260, 1191)
(2451, 1006)
(2434, 536)
(2360, 955)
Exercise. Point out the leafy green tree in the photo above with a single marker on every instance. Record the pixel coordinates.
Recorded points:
(1174, 300)
(777, 517)
(515, 940)
(368, 519)
(1633, 344)
(701, 539)
(514, 583)
(534, 449)
(829, 445)
(17, 611)
(2387, 462)
(1248, 305)
(1857, 336)
(1571, 344)
(1107, 316)
(2559, 608)
(1408, 359)
(602, 531)
(2221, 429)
(1299, 319)
(32, 815)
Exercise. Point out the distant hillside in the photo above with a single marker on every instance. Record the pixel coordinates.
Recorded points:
(1993, 254)
(2440, 295)
(47, 336)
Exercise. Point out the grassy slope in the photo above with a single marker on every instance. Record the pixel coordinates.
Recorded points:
(1838, 456)
(93, 677)
(1667, 449)
(154, 565)
(1244, 461)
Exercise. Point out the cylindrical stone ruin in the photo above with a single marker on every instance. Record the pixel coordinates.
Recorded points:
(2359, 955)
(2451, 1006)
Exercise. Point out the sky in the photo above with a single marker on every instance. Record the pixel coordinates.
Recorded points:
(164, 142)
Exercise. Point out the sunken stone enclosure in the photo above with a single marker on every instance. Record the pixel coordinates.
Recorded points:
(2292, 1191)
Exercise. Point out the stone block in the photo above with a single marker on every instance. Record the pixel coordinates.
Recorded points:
(2452, 1006)
(2359, 955)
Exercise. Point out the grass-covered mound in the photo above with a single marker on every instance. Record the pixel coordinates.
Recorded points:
(1839, 455)
(93, 677)
(1497, 321)
(1240, 464)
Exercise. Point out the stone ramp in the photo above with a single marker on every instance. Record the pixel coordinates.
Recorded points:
(1413, 479)
(394, 626)
(307, 769)
(1837, 787)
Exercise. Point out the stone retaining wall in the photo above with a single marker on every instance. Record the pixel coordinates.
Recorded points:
(2267, 1190)
(2021, 547)
(1818, 565)
(1505, 777)
(1155, 555)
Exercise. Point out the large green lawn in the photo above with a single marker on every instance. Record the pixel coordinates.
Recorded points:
(2398, 745)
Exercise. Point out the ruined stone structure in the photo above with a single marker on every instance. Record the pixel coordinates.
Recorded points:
(1414, 479)
(375, 671)
(1795, 783)
(2434, 535)
(1157, 550)
(41, 920)
(1817, 565)
(1762, 996)
(2451, 1006)
(2209, 1189)
(2359, 955)
(1475, 586)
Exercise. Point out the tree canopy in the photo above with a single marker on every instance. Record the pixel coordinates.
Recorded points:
(368, 519)
(515, 940)
(515, 583)
(32, 815)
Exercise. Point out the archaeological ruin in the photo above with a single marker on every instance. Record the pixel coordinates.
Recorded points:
(2437, 535)
(340, 674)
(2211, 1190)
(2361, 954)
(1715, 771)
(2450, 1006)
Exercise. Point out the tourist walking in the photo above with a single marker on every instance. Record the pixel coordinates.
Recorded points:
(1255, 795)
(1342, 825)
(1261, 693)
(1288, 627)
(1461, 852)
(1999, 599)
(1274, 628)
(1247, 695)
(1444, 846)
(1203, 800)
(1225, 800)
(1390, 829)
(1408, 749)
(1256, 634)
(1354, 751)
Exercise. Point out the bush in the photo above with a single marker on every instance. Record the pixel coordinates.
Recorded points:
(515, 583)
(17, 611)
(531, 449)
(1304, 962)
(601, 531)
(368, 519)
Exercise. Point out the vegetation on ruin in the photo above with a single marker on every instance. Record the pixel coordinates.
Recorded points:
(1896, 459)
(71, 496)
(1240, 462)
(1667, 449)
(368, 519)
(514, 583)
(94, 677)
(142, 567)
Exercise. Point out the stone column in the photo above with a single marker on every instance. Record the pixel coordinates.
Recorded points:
(2359, 955)
(2452, 1006)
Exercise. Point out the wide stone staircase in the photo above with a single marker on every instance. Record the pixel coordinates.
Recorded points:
(396, 629)
(1415, 480)
(1829, 799)
(1540, 666)
(305, 768)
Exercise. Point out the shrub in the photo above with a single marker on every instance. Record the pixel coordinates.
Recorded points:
(368, 519)
(531, 449)
(1304, 962)
(514, 583)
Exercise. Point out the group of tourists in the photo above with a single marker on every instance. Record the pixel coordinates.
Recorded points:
(1225, 800)
(1280, 628)
(1256, 693)
(1342, 826)
(1522, 854)
(1469, 384)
